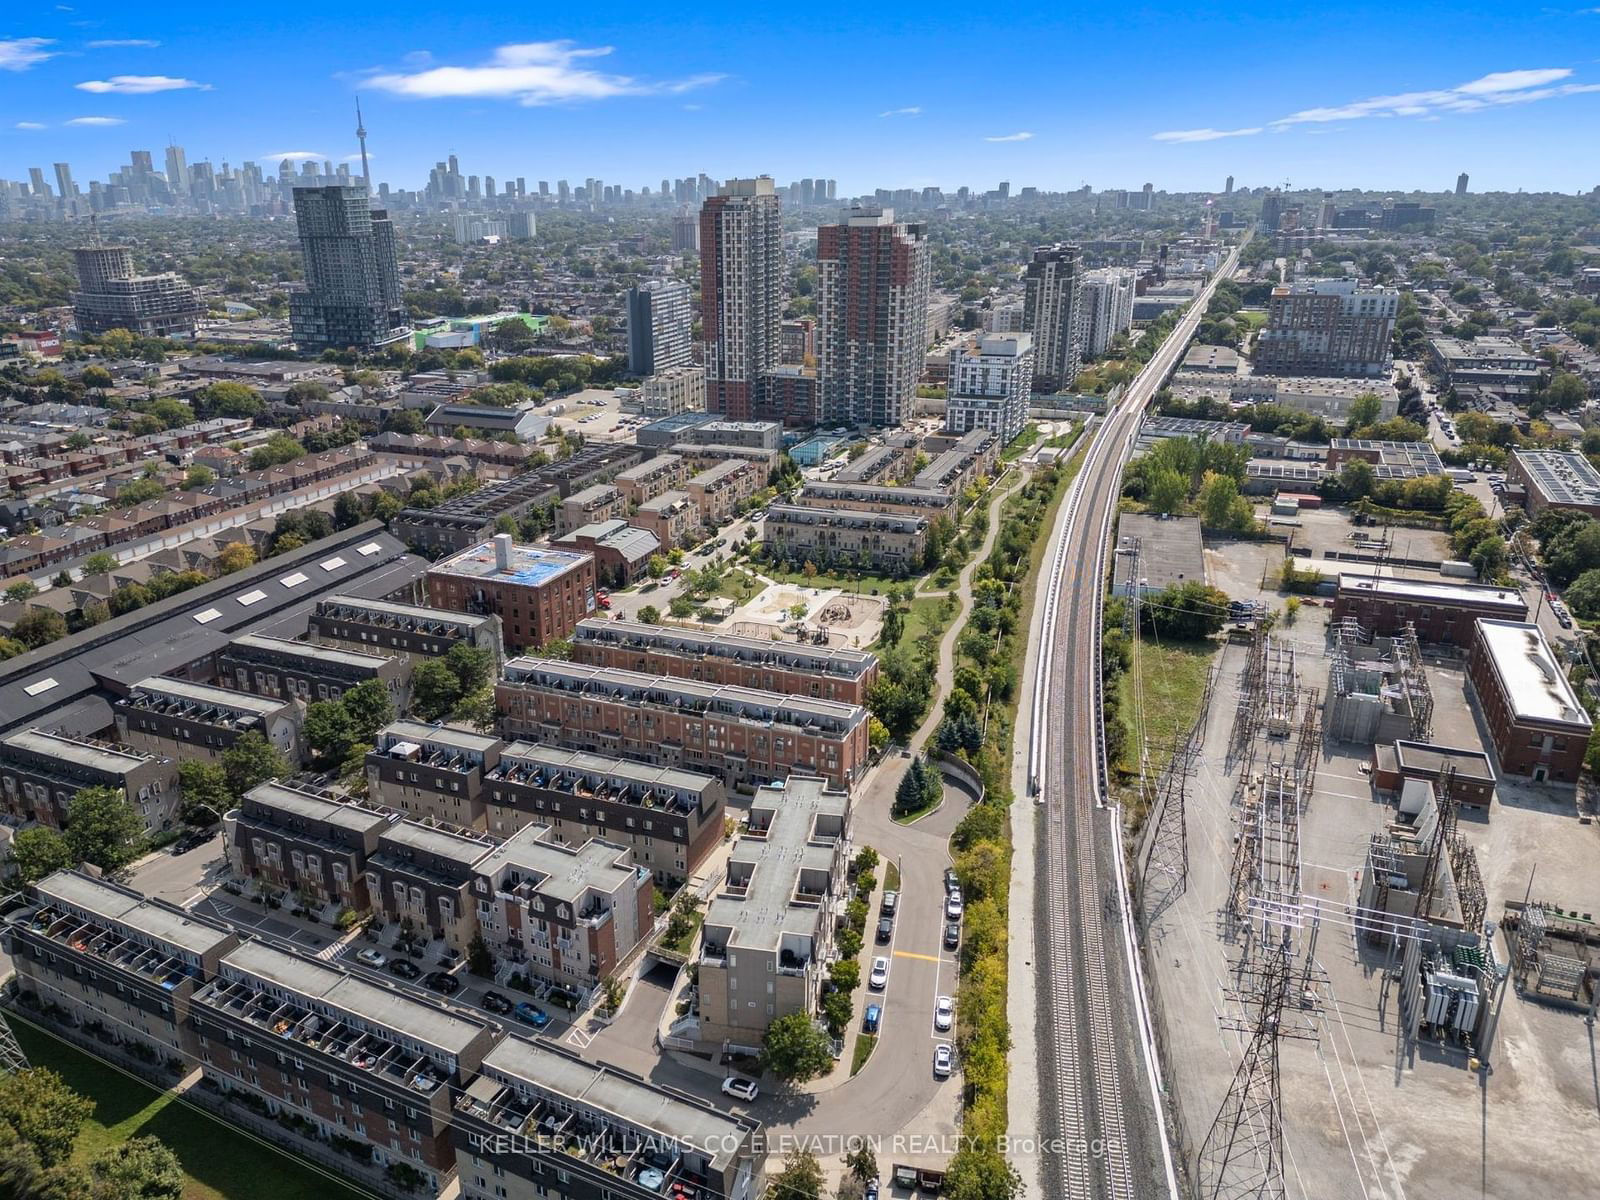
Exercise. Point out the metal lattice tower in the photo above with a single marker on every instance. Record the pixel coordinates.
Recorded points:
(1242, 1156)
(12, 1059)
(1132, 588)
(1166, 865)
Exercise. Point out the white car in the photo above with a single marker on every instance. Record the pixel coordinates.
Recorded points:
(952, 906)
(740, 1088)
(943, 1060)
(878, 979)
(371, 957)
(944, 1013)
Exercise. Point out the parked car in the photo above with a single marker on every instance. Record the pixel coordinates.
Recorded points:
(952, 934)
(943, 1060)
(878, 979)
(370, 957)
(871, 1190)
(442, 981)
(404, 968)
(740, 1088)
(944, 1013)
(195, 837)
(531, 1014)
(952, 881)
(872, 1018)
(496, 1003)
(952, 906)
(885, 928)
(891, 901)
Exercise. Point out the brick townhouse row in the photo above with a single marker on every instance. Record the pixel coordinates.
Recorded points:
(419, 1098)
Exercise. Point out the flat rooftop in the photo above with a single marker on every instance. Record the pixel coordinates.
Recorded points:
(546, 1071)
(118, 906)
(565, 872)
(306, 806)
(70, 749)
(784, 849)
(1427, 591)
(267, 644)
(1170, 552)
(619, 770)
(1472, 765)
(459, 847)
(529, 566)
(384, 1007)
(690, 643)
(205, 694)
(330, 606)
(1535, 686)
(1562, 477)
(425, 734)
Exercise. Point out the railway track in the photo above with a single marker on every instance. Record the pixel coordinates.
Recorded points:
(1101, 1140)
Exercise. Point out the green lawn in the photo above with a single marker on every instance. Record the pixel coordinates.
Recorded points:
(866, 584)
(927, 614)
(220, 1163)
(863, 1051)
(1174, 675)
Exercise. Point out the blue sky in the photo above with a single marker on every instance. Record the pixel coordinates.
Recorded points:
(1390, 96)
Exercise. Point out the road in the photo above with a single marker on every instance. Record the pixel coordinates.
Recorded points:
(1102, 1126)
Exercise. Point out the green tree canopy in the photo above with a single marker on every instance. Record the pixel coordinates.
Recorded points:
(39, 851)
(795, 1048)
(252, 760)
(103, 828)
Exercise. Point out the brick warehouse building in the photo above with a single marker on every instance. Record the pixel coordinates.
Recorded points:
(1538, 726)
(539, 595)
(1441, 612)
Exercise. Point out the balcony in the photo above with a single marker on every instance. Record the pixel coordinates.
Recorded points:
(85, 937)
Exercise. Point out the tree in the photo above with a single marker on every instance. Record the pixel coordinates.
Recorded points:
(370, 706)
(96, 377)
(251, 760)
(656, 567)
(434, 689)
(280, 448)
(199, 476)
(1565, 391)
(479, 961)
(681, 607)
(894, 624)
(1185, 611)
(406, 420)
(650, 615)
(23, 589)
(800, 1179)
(45, 1113)
(1356, 479)
(103, 828)
(1583, 595)
(39, 851)
(981, 1173)
(141, 489)
(329, 731)
(235, 556)
(1165, 490)
(229, 400)
(204, 787)
(472, 665)
(861, 1163)
(39, 626)
(99, 563)
(141, 1168)
(1219, 497)
(795, 1048)
(1366, 409)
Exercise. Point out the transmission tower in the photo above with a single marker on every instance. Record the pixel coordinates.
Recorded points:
(1242, 1156)
(12, 1059)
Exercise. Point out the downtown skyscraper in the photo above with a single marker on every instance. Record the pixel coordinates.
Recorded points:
(741, 294)
(1053, 313)
(873, 277)
(352, 295)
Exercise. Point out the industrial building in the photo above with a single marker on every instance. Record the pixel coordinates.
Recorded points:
(1538, 725)
(1164, 552)
(1440, 612)
(1556, 479)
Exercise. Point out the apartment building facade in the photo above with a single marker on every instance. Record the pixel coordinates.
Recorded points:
(896, 543)
(791, 669)
(538, 594)
(741, 293)
(292, 840)
(278, 667)
(1327, 327)
(180, 719)
(740, 734)
(404, 630)
(431, 771)
(663, 473)
(1053, 314)
(991, 381)
(40, 773)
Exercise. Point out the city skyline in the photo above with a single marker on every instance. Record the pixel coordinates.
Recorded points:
(633, 96)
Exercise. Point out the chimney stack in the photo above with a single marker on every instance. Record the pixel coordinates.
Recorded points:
(502, 551)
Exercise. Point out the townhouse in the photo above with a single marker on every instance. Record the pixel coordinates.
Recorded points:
(40, 773)
(275, 666)
(432, 771)
(195, 720)
(294, 840)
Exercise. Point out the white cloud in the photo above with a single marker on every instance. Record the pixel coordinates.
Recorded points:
(294, 156)
(116, 43)
(18, 54)
(29, 125)
(909, 111)
(139, 85)
(531, 73)
(1203, 135)
(96, 121)
(1497, 87)
(1010, 137)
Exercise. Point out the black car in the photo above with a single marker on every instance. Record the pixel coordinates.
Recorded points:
(192, 839)
(885, 928)
(952, 934)
(442, 981)
(496, 1003)
(404, 968)
(951, 879)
